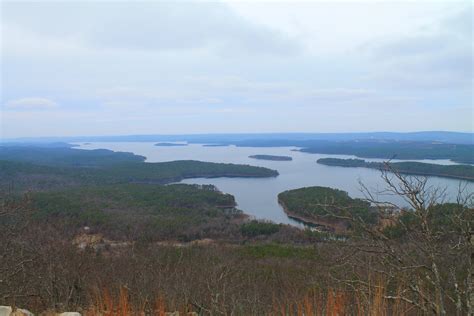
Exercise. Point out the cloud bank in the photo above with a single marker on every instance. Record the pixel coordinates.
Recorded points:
(85, 68)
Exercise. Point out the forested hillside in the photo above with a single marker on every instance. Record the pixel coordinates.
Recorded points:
(117, 237)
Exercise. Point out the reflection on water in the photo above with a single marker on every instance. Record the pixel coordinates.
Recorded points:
(258, 197)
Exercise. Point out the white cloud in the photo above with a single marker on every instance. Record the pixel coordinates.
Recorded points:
(436, 56)
(155, 26)
(33, 103)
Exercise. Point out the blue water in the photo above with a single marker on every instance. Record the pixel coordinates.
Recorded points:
(258, 197)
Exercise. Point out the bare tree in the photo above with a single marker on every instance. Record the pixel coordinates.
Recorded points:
(425, 249)
(15, 253)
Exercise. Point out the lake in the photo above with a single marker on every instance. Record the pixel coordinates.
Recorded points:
(258, 196)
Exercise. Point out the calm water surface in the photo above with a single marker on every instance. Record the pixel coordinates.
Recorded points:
(258, 197)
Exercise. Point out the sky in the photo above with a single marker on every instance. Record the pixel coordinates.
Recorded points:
(71, 68)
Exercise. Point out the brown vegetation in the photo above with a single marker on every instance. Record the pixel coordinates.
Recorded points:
(420, 264)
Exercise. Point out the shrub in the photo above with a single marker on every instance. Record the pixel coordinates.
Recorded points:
(256, 228)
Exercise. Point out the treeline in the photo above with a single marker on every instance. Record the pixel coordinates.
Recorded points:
(462, 153)
(65, 155)
(463, 172)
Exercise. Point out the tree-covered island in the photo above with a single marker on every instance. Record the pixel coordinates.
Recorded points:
(171, 144)
(271, 157)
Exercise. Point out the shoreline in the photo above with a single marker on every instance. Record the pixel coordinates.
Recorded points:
(405, 172)
(325, 225)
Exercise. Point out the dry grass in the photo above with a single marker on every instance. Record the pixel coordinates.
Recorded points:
(331, 302)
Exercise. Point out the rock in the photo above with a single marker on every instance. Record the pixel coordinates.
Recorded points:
(5, 310)
(21, 312)
(8, 311)
(203, 242)
(84, 241)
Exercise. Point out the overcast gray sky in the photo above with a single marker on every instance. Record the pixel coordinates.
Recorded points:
(155, 67)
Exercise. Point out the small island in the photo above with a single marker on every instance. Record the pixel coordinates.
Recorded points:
(170, 144)
(215, 145)
(271, 157)
(463, 172)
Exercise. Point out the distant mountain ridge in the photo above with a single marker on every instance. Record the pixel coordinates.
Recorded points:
(228, 138)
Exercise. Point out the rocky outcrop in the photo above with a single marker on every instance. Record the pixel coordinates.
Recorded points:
(10, 311)
(83, 241)
(97, 242)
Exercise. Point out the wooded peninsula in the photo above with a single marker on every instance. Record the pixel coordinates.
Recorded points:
(28, 168)
(463, 172)
(322, 206)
